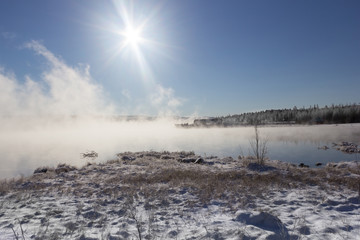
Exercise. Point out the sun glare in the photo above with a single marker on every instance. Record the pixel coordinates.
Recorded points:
(135, 36)
(132, 35)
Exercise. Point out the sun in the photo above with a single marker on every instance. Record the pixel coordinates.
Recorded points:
(132, 36)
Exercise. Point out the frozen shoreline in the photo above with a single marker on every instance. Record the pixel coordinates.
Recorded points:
(163, 195)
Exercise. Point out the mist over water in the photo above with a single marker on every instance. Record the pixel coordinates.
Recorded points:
(52, 120)
(23, 150)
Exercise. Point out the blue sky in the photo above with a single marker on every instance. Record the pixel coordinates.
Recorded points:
(205, 58)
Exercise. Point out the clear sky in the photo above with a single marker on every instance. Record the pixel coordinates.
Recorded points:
(189, 57)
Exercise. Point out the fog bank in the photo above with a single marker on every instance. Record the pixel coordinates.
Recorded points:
(62, 141)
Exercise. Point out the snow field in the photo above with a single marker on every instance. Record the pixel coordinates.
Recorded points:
(152, 195)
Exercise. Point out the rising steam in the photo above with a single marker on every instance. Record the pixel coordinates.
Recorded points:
(64, 113)
(61, 91)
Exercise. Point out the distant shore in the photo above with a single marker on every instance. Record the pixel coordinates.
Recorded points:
(335, 114)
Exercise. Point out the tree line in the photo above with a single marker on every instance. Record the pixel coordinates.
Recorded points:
(334, 114)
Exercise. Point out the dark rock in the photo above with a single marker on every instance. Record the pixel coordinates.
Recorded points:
(199, 161)
(347, 147)
(41, 170)
(331, 165)
(153, 154)
(259, 167)
(318, 164)
(63, 168)
(228, 159)
(187, 160)
(209, 163)
(302, 165)
(324, 147)
(127, 158)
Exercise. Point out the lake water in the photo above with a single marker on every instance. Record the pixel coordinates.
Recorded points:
(23, 148)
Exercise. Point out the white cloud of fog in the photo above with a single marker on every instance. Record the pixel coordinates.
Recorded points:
(62, 90)
(37, 127)
(165, 100)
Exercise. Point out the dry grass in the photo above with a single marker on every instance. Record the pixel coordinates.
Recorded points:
(154, 174)
(209, 185)
(8, 185)
(5, 186)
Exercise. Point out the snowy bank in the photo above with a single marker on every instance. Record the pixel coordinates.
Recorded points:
(163, 195)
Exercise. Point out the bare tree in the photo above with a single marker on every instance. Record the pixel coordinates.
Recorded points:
(259, 146)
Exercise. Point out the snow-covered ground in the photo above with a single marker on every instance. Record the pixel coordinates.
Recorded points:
(152, 195)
